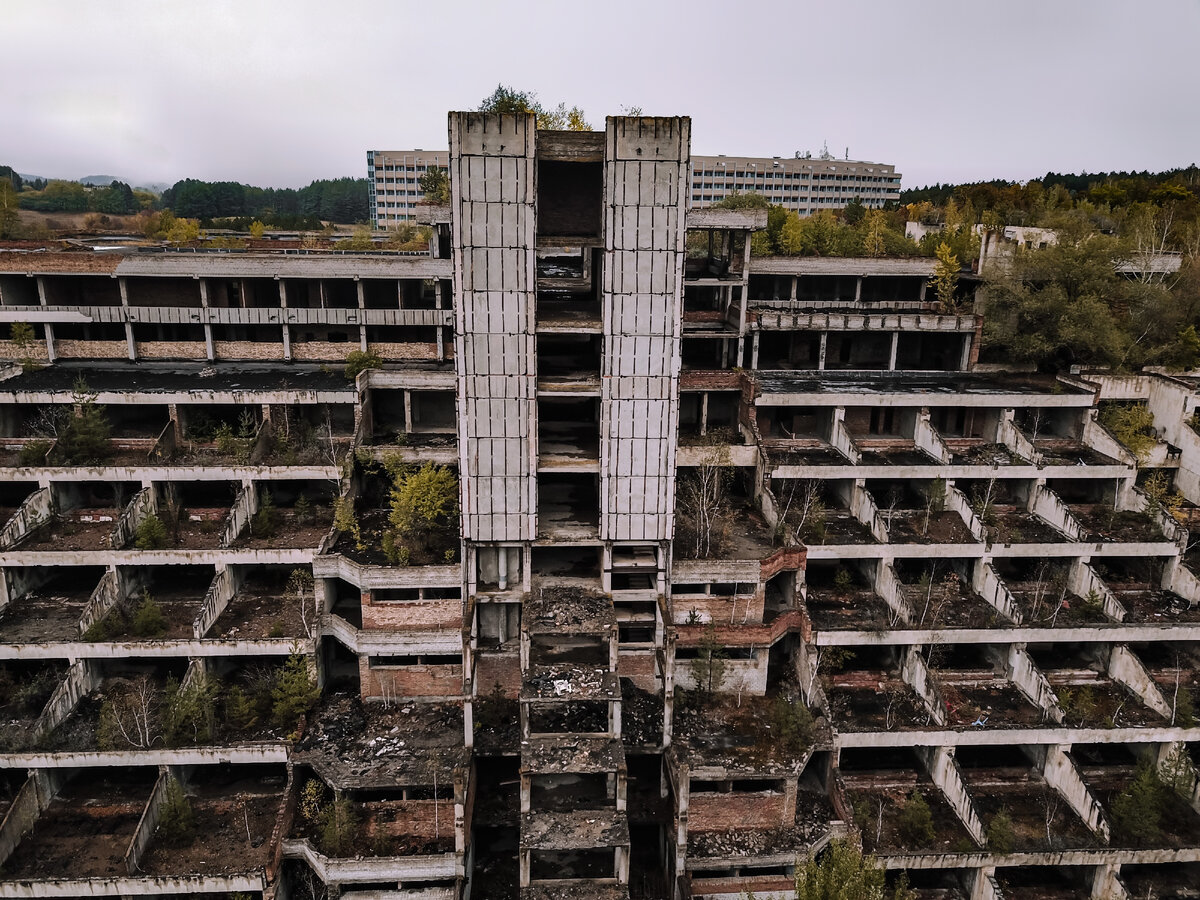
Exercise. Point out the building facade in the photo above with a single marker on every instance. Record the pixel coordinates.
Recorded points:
(394, 183)
(806, 184)
(629, 567)
(803, 183)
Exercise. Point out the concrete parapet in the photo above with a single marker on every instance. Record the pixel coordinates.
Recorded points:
(840, 437)
(144, 503)
(1102, 441)
(863, 507)
(82, 678)
(1125, 668)
(108, 593)
(916, 675)
(1061, 774)
(219, 593)
(1047, 505)
(33, 797)
(333, 870)
(1008, 434)
(1083, 580)
(146, 825)
(989, 585)
(957, 502)
(943, 769)
(1024, 673)
(35, 512)
(887, 586)
(244, 508)
(927, 438)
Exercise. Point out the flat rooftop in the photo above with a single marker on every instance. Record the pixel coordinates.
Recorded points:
(825, 382)
(144, 377)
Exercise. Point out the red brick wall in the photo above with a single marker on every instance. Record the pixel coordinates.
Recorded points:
(422, 614)
(718, 812)
(410, 681)
(502, 667)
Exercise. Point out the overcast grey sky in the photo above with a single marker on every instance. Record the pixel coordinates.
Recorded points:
(280, 93)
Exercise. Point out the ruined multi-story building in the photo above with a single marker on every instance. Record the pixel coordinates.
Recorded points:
(631, 566)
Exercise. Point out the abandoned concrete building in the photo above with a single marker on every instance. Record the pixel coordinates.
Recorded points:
(721, 559)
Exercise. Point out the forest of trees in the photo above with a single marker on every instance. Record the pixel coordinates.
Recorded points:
(340, 200)
(343, 201)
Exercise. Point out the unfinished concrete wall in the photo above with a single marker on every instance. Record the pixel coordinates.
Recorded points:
(493, 177)
(645, 202)
(219, 593)
(35, 512)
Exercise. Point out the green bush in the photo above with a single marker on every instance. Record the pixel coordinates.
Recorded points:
(1137, 810)
(915, 822)
(85, 439)
(1132, 424)
(791, 725)
(34, 452)
(239, 710)
(189, 713)
(1001, 836)
(148, 619)
(265, 522)
(151, 534)
(339, 828)
(360, 360)
(295, 693)
(177, 822)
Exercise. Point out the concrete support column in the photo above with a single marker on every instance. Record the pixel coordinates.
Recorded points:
(895, 348)
(209, 350)
(754, 350)
(130, 343)
(408, 419)
(858, 289)
(964, 361)
(704, 413)
(287, 338)
(821, 354)
(795, 287)
(921, 295)
(362, 305)
(50, 354)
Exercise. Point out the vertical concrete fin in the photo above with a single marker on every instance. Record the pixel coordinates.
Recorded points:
(1061, 774)
(943, 769)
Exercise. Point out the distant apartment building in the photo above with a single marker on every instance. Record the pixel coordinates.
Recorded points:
(393, 178)
(803, 183)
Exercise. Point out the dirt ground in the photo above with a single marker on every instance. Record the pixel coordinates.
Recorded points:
(882, 835)
(260, 614)
(1100, 523)
(997, 705)
(39, 617)
(858, 608)
(220, 845)
(288, 533)
(946, 527)
(867, 709)
(75, 535)
(83, 833)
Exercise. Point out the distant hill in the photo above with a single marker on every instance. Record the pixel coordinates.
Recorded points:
(99, 180)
